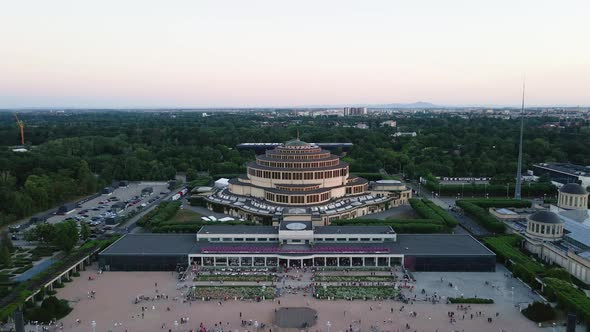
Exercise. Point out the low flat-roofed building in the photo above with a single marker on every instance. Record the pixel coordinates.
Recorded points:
(564, 173)
(511, 213)
(298, 244)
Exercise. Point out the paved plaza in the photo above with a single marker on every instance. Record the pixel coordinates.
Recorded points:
(115, 307)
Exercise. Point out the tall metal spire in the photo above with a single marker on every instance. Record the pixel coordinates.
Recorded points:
(517, 190)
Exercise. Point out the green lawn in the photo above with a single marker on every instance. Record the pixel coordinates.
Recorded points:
(221, 292)
(366, 278)
(244, 277)
(185, 215)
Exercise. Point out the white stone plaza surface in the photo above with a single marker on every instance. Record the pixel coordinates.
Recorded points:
(113, 308)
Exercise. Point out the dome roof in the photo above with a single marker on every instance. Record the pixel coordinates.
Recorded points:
(296, 142)
(545, 217)
(573, 188)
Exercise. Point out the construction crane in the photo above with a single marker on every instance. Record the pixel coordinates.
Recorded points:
(21, 126)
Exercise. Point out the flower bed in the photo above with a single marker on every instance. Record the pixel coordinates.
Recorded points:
(240, 277)
(230, 292)
(353, 278)
(356, 293)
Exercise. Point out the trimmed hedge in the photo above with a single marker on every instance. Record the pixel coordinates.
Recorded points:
(499, 203)
(416, 226)
(568, 297)
(505, 247)
(470, 300)
(423, 210)
(539, 312)
(481, 216)
(164, 212)
(193, 227)
(51, 308)
(449, 219)
(558, 273)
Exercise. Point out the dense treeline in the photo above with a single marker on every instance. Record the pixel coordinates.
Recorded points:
(74, 154)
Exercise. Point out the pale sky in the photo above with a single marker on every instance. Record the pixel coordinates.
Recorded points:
(200, 53)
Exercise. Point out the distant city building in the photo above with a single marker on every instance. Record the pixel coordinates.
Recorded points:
(354, 111)
(260, 148)
(389, 123)
(405, 134)
(564, 173)
(361, 126)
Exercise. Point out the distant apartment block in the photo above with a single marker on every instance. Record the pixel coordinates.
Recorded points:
(352, 111)
(389, 123)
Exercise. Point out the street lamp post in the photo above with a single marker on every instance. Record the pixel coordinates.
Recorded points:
(93, 324)
(328, 324)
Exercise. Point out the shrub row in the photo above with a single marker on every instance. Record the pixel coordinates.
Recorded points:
(449, 219)
(506, 248)
(192, 227)
(429, 210)
(568, 297)
(51, 308)
(500, 203)
(423, 210)
(158, 216)
(539, 312)
(470, 300)
(481, 216)
(416, 226)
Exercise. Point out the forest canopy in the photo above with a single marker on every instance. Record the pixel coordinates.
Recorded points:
(75, 154)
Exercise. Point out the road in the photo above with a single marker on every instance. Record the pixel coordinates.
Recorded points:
(467, 224)
(203, 211)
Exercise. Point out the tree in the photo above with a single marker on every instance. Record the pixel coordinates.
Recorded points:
(86, 180)
(7, 242)
(66, 235)
(5, 258)
(42, 232)
(84, 231)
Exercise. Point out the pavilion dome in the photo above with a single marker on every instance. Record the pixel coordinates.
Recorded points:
(573, 188)
(545, 217)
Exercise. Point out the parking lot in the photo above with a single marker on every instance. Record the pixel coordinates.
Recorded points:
(97, 209)
(101, 212)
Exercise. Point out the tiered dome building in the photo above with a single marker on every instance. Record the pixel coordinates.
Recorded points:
(300, 179)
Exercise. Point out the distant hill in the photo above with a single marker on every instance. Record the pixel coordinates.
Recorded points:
(419, 104)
